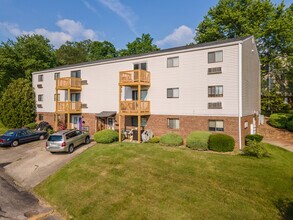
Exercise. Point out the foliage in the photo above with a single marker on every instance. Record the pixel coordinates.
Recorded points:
(289, 125)
(255, 149)
(32, 125)
(198, 140)
(3, 129)
(221, 143)
(18, 59)
(106, 136)
(253, 137)
(101, 50)
(171, 139)
(154, 140)
(17, 105)
(279, 120)
(143, 44)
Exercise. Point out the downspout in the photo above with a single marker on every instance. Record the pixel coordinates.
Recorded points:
(240, 94)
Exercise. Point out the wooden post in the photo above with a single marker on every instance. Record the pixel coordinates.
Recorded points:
(68, 110)
(139, 108)
(119, 117)
(56, 107)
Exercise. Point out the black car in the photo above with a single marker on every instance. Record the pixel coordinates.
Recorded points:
(18, 136)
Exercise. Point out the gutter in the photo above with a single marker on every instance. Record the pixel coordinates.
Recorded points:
(240, 94)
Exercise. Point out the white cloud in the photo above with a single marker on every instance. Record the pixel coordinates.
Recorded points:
(123, 11)
(89, 6)
(70, 31)
(180, 37)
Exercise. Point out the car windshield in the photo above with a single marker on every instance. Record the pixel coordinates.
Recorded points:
(9, 133)
(55, 138)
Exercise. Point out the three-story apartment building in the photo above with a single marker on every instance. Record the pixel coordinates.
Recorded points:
(212, 86)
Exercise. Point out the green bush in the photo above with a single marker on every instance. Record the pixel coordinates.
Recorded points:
(171, 139)
(255, 149)
(289, 125)
(198, 140)
(279, 120)
(154, 140)
(253, 137)
(31, 125)
(221, 143)
(106, 136)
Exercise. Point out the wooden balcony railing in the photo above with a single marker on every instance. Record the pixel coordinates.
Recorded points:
(71, 107)
(132, 107)
(68, 83)
(134, 77)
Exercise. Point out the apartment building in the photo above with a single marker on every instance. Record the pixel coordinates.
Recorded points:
(213, 87)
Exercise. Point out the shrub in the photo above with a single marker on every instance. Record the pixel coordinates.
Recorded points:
(31, 125)
(221, 143)
(154, 140)
(279, 120)
(198, 140)
(253, 137)
(289, 125)
(255, 149)
(106, 136)
(171, 139)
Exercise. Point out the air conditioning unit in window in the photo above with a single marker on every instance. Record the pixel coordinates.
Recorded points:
(215, 70)
(83, 105)
(84, 82)
(39, 105)
(40, 86)
(215, 105)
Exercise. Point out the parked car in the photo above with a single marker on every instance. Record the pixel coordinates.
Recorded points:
(19, 136)
(66, 140)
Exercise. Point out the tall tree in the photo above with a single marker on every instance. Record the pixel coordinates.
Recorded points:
(101, 50)
(143, 44)
(17, 105)
(20, 58)
(271, 25)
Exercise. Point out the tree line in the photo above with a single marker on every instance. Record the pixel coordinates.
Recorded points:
(270, 24)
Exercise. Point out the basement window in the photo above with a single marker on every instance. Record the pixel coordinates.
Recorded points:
(173, 123)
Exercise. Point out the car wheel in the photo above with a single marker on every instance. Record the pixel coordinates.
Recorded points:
(42, 137)
(87, 140)
(14, 143)
(70, 148)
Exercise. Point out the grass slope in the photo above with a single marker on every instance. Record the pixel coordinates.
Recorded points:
(149, 181)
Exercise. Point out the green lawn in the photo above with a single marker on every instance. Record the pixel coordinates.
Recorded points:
(147, 181)
(2, 128)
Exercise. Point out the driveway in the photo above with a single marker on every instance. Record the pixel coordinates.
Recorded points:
(30, 164)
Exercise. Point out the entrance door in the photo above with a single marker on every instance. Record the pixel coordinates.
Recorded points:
(111, 123)
(75, 121)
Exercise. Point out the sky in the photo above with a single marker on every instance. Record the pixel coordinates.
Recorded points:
(170, 22)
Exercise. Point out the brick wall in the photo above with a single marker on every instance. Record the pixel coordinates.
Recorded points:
(47, 116)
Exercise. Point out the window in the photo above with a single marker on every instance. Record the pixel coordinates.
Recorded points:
(134, 121)
(214, 57)
(40, 98)
(143, 95)
(215, 125)
(76, 74)
(40, 78)
(58, 97)
(214, 105)
(215, 91)
(56, 76)
(40, 86)
(172, 62)
(173, 123)
(173, 93)
(215, 70)
(142, 66)
(41, 117)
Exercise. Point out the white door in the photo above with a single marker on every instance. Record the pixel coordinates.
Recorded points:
(111, 123)
(75, 121)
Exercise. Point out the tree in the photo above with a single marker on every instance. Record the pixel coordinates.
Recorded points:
(18, 59)
(101, 50)
(17, 104)
(73, 52)
(139, 46)
(272, 102)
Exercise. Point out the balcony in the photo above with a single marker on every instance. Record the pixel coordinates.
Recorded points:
(132, 108)
(134, 78)
(68, 83)
(68, 107)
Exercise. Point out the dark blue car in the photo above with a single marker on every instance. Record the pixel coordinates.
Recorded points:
(18, 136)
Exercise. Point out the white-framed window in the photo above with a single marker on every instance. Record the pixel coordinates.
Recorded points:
(56, 76)
(76, 74)
(173, 93)
(41, 117)
(40, 98)
(215, 57)
(40, 78)
(140, 66)
(173, 123)
(172, 62)
(58, 97)
(215, 91)
(216, 125)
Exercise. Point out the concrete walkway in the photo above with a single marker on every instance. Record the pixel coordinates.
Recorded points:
(286, 144)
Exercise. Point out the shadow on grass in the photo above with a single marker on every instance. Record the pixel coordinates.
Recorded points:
(285, 207)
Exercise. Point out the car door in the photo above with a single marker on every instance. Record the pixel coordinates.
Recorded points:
(79, 137)
(31, 136)
(22, 137)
